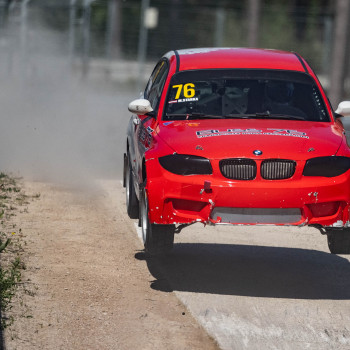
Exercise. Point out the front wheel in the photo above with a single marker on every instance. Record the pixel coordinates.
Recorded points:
(157, 239)
(132, 203)
(339, 241)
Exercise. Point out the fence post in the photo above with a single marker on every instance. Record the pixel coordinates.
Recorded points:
(71, 39)
(219, 26)
(23, 39)
(340, 40)
(253, 20)
(113, 41)
(327, 51)
(142, 46)
(86, 37)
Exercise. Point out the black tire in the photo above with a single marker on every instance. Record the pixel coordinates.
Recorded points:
(339, 241)
(125, 167)
(157, 239)
(132, 203)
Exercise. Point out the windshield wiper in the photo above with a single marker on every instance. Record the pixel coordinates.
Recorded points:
(249, 116)
(194, 115)
(284, 116)
(264, 116)
(281, 116)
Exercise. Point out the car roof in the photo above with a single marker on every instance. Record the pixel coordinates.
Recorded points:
(244, 58)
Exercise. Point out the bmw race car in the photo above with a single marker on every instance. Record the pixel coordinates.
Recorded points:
(236, 136)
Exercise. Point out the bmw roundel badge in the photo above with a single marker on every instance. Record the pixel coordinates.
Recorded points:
(257, 152)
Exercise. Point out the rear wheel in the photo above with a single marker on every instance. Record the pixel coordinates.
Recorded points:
(157, 239)
(339, 241)
(132, 203)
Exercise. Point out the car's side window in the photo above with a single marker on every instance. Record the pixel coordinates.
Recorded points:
(156, 83)
(148, 87)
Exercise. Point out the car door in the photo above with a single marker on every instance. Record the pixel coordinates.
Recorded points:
(145, 124)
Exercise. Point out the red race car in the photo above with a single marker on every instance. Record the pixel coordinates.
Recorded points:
(236, 136)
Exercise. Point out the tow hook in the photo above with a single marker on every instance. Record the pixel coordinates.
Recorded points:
(206, 187)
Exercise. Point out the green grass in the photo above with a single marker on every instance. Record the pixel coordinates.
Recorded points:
(10, 247)
(9, 279)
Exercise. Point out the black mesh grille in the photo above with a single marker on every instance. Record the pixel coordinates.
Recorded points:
(238, 169)
(277, 169)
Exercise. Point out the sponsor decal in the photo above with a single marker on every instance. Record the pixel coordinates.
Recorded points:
(267, 132)
(185, 91)
(187, 99)
(184, 100)
(193, 124)
(145, 136)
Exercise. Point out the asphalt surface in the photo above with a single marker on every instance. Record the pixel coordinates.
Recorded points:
(260, 287)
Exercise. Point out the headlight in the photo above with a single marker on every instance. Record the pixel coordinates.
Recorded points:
(326, 166)
(183, 164)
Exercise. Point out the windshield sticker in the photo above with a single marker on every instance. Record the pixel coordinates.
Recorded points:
(269, 132)
(187, 90)
(184, 100)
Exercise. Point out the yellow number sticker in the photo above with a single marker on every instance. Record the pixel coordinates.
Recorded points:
(178, 92)
(189, 90)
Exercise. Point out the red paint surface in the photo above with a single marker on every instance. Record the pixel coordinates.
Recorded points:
(183, 199)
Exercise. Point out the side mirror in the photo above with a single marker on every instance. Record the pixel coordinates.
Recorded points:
(344, 109)
(140, 107)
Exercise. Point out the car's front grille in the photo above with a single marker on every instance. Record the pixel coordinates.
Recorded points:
(246, 169)
(277, 169)
(238, 169)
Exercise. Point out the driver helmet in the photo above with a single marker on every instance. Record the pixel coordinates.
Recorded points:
(279, 91)
(238, 98)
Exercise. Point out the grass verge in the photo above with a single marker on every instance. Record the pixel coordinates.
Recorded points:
(11, 265)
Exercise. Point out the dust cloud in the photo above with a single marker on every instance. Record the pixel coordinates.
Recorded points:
(56, 125)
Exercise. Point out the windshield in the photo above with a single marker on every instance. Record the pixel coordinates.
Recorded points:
(239, 93)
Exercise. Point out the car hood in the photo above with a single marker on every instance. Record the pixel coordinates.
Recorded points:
(235, 138)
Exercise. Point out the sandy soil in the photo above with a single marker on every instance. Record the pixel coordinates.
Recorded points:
(91, 286)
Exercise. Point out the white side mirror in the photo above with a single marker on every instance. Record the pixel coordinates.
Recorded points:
(344, 108)
(140, 107)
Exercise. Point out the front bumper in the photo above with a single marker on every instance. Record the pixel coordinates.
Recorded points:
(176, 199)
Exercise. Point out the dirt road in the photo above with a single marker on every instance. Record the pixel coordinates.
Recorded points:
(91, 292)
(250, 288)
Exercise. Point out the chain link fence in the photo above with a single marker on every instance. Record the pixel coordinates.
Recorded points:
(108, 39)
